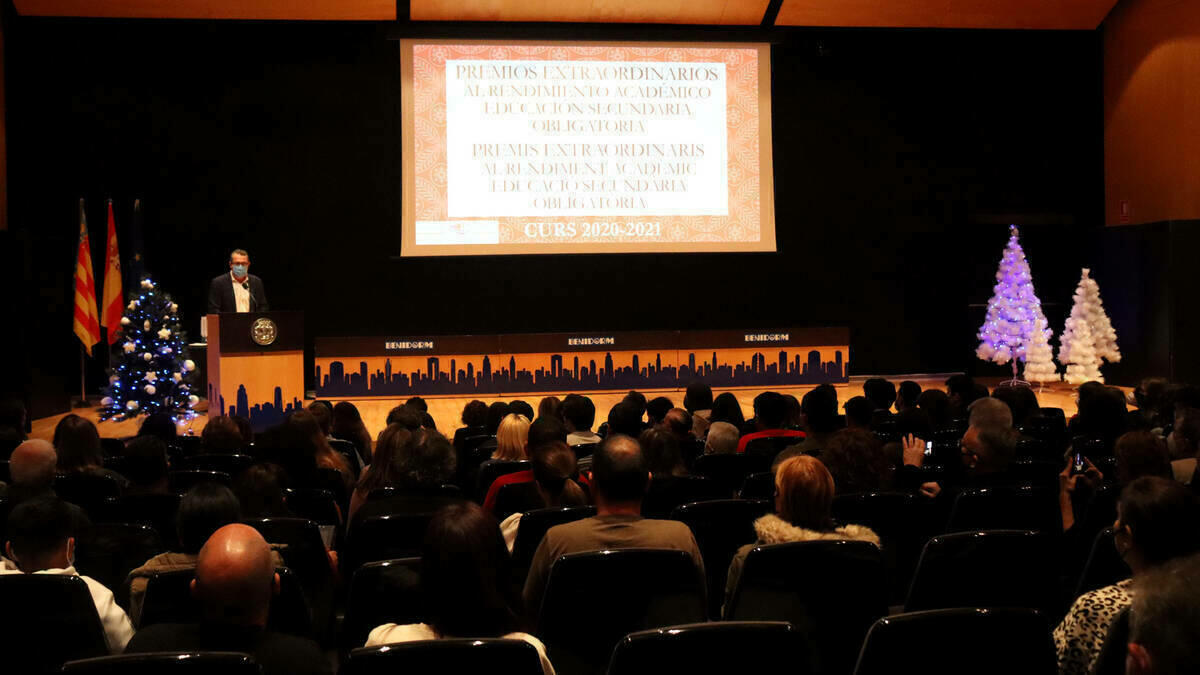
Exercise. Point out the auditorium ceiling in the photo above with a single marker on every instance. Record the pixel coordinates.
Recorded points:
(1005, 14)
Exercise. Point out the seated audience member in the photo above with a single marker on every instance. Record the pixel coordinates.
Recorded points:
(936, 404)
(322, 412)
(678, 423)
(1156, 523)
(1183, 444)
(619, 479)
(543, 431)
(259, 491)
(77, 444)
(406, 416)
(424, 464)
(634, 399)
(907, 395)
(990, 413)
(663, 457)
(221, 436)
(553, 478)
(31, 468)
(1021, 401)
(519, 407)
(1153, 403)
(474, 419)
(987, 454)
(203, 509)
(235, 582)
(792, 419)
(803, 512)
(818, 416)
(859, 412)
(387, 467)
(145, 466)
(770, 412)
(496, 413)
(624, 420)
(1141, 453)
(698, 401)
(161, 425)
(427, 422)
(1102, 413)
(656, 409)
(41, 540)
(417, 403)
(512, 438)
(12, 425)
(961, 391)
(722, 439)
(726, 408)
(550, 406)
(243, 425)
(465, 583)
(580, 414)
(1164, 631)
(880, 392)
(347, 425)
(857, 461)
(311, 450)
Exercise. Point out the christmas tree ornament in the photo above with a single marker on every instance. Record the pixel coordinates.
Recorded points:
(129, 347)
(164, 334)
(149, 389)
(147, 356)
(124, 321)
(146, 325)
(189, 365)
(1014, 311)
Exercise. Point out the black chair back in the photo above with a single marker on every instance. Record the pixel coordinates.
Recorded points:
(493, 469)
(157, 511)
(954, 641)
(446, 656)
(304, 554)
(168, 663)
(346, 449)
(169, 599)
(1006, 508)
(108, 552)
(47, 620)
(397, 535)
(1104, 567)
(584, 449)
(899, 520)
(720, 527)
(316, 505)
(719, 647)
(667, 492)
(759, 485)
(984, 569)
(86, 489)
(517, 498)
(182, 481)
(112, 447)
(728, 471)
(594, 599)
(839, 593)
(5, 474)
(186, 446)
(230, 464)
(388, 591)
(761, 452)
(533, 527)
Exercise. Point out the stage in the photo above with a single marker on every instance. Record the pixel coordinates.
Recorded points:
(447, 410)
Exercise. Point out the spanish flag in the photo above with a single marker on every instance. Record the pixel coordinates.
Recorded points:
(113, 303)
(87, 323)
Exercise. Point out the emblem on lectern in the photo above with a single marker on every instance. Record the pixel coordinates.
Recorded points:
(263, 332)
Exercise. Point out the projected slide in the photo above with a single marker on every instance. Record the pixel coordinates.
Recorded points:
(519, 148)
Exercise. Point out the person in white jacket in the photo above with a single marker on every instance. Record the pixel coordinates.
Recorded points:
(40, 541)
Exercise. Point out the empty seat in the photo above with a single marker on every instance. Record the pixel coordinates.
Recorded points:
(108, 552)
(446, 656)
(169, 599)
(830, 590)
(182, 481)
(998, 568)
(667, 492)
(47, 619)
(594, 599)
(532, 529)
(720, 527)
(727, 471)
(387, 591)
(166, 663)
(1104, 567)
(719, 647)
(230, 464)
(493, 469)
(954, 641)
(997, 508)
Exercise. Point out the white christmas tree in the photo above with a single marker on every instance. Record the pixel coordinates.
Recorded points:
(1089, 309)
(1083, 365)
(1039, 359)
(1014, 311)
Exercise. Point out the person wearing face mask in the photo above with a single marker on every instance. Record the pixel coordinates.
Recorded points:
(237, 291)
(1156, 523)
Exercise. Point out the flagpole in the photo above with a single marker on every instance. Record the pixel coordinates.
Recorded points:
(82, 402)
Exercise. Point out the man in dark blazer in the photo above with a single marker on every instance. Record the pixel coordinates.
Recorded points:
(237, 291)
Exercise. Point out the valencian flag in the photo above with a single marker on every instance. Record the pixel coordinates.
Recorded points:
(87, 321)
(112, 303)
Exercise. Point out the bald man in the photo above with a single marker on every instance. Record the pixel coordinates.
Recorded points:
(32, 467)
(235, 582)
(619, 480)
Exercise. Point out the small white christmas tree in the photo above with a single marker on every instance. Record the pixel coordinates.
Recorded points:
(1039, 359)
(1083, 365)
(1013, 312)
(1089, 309)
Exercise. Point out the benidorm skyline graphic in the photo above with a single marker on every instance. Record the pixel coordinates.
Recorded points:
(261, 415)
(579, 373)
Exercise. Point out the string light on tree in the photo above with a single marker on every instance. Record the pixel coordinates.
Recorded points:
(1014, 312)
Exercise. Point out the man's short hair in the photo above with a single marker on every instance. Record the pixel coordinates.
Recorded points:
(33, 464)
(819, 407)
(547, 430)
(619, 469)
(880, 392)
(770, 410)
(637, 398)
(418, 403)
(1164, 617)
(722, 439)
(204, 509)
(698, 396)
(1162, 516)
(39, 527)
(145, 461)
(520, 407)
(657, 408)
(859, 411)
(990, 413)
(998, 446)
(908, 392)
(679, 422)
(406, 416)
(625, 419)
(238, 251)
(579, 411)
(960, 384)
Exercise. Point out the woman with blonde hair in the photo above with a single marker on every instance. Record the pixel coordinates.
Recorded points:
(512, 437)
(804, 492)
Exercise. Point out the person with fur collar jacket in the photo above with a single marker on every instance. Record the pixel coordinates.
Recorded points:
(803, 512)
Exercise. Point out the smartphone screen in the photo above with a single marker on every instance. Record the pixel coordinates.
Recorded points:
(1077, 467)
(928, 448)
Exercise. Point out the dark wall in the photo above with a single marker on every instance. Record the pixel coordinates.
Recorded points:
(900, 157)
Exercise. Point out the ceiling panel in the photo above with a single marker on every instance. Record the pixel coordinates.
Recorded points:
(1039, 14)
(718, 12)
(296, 10)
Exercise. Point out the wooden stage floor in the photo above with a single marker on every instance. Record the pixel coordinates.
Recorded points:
(447, 411)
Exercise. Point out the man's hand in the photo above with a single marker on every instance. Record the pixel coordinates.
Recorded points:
(931, 489)
(914, 451)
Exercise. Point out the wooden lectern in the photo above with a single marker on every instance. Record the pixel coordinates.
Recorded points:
(256, 365)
